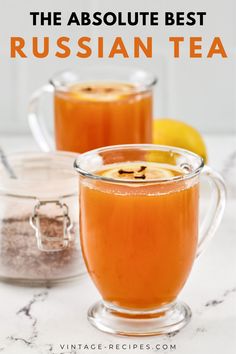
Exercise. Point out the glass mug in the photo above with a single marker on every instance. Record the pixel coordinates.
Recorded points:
(95, 108)
(139, 233)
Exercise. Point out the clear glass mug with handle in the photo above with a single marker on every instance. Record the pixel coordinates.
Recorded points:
(139, 233)
(93, 108)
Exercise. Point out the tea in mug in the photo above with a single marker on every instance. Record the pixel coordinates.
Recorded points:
(139, 239)
(92, 115)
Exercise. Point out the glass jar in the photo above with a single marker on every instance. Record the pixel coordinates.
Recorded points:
(39, 231)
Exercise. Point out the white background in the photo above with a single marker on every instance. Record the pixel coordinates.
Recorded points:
(199, 91)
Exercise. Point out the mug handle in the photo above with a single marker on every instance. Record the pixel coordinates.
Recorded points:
(36, 121)
(213, 217)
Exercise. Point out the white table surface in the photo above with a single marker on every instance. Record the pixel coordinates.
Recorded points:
(39, 320)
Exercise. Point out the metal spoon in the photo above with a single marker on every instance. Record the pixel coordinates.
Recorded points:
(6, 164)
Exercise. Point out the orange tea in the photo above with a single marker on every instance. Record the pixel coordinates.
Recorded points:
(139, 239)
(91, 115)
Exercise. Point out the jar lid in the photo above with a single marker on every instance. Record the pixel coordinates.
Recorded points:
(41, 175)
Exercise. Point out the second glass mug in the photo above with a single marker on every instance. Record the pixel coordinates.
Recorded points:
(95, 107)
(139, 233)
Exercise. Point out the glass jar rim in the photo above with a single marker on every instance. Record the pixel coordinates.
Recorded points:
(12, 183)
(147, 79)
(146, 147)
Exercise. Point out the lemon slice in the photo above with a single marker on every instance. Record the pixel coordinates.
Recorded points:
(138, 171)
(101, 91)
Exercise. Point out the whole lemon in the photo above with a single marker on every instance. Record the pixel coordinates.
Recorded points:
(179, 134)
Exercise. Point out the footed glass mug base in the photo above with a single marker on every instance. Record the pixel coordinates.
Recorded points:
(115, 320)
